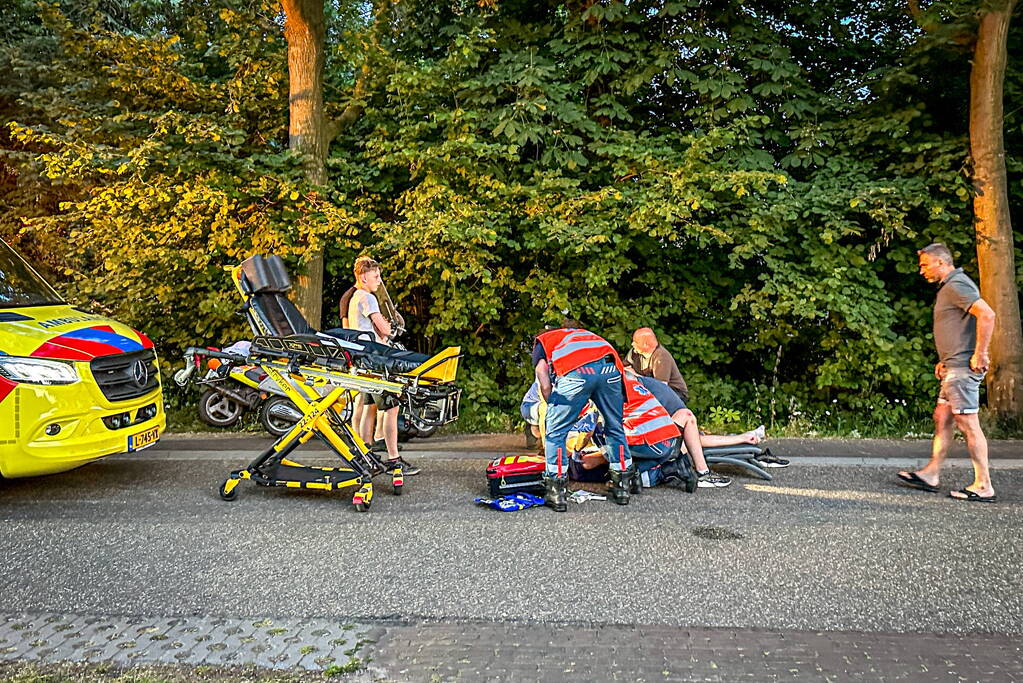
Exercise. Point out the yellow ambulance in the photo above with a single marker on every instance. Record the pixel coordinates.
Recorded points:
(74, 386)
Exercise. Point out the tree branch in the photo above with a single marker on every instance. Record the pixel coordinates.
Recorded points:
(920, 16)
(353, 112)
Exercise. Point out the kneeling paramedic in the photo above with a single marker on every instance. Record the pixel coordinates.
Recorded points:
(652, 435)
(574, 366)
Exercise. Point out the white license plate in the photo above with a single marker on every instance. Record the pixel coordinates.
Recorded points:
(136, 442)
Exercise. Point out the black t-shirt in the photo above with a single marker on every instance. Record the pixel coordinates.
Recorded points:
(342, 306)
(538, 353)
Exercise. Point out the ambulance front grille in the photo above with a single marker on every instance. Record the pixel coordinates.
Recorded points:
(125, 376)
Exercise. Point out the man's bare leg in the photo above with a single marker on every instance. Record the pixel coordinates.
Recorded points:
(358, 408)
(391, 432)
(943, 433)
(368, 422)
(976, 444)
(691, 436)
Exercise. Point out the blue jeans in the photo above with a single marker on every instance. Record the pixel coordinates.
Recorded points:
(649, 458)
(600, 382)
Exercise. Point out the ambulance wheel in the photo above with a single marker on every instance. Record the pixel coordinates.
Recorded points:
(218, 410)
(228, 495)
(278, 415)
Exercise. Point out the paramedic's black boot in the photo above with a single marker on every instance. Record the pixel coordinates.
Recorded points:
(621, 485)
(555, 494)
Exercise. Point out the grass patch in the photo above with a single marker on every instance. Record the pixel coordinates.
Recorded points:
(24, 672)
(353, 665)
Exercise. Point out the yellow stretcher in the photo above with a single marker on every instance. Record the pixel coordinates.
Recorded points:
(320, 376)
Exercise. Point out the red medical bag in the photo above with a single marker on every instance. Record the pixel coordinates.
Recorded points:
(515, 474)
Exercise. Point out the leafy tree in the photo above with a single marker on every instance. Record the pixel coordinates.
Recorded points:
(985, 31)
(750, 179)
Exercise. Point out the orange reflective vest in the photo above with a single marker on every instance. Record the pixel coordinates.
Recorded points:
(568, 350)
(645, 419)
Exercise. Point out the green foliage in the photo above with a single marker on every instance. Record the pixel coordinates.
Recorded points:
(749, 179)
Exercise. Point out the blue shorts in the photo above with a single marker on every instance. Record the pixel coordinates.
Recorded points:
(960, 389)
(530, 412)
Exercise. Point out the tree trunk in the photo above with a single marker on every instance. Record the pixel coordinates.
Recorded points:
(995, 249)
(304, 29)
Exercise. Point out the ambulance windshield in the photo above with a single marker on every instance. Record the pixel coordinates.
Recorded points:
(20, 285)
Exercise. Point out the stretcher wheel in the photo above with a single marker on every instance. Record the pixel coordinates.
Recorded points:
(363, 498)
(398, 488)
(229, 490)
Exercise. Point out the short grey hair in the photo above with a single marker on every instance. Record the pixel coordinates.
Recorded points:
(938, 250)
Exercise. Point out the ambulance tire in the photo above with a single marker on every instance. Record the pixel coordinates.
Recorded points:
(218, 410)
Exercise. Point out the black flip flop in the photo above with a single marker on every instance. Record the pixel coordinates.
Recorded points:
(972, 496)
(913, 481)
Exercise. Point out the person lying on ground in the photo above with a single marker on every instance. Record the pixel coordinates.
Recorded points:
(649, 359)
(696, 441)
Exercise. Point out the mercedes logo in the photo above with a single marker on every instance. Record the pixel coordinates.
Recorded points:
(140, 373)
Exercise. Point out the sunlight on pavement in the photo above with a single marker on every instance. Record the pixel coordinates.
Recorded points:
(841, 495)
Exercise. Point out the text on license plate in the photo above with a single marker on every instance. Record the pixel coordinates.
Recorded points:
(137, 442)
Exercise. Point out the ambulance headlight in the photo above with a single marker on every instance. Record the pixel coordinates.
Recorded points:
(37, 370)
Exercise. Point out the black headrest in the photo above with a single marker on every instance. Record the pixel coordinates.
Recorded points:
(265, 274)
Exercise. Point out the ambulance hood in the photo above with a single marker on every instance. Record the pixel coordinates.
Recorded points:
(65, 333)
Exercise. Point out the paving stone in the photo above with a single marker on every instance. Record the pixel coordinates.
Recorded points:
(523, 653)
(311, 644)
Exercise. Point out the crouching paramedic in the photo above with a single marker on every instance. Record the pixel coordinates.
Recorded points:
(652, 436)
(574, 366)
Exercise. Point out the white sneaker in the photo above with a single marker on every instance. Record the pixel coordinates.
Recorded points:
(760, 432)
(712, 480)
(768, 459)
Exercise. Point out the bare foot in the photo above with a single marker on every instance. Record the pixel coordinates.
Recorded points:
(982, 491)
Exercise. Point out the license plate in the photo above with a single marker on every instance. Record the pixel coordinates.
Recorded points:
(136, 442)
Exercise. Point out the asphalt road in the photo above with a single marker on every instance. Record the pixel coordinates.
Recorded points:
(819, 548)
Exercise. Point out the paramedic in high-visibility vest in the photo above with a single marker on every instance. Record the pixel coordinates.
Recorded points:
(574, 366)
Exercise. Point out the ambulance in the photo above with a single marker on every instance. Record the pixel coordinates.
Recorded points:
(74, 386)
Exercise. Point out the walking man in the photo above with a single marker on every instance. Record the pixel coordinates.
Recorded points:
(963, 323)
(574, 366)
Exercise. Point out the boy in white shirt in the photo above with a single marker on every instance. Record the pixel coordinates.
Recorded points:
(364, 314)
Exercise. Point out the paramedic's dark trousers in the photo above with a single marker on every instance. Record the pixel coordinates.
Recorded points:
(600, 382)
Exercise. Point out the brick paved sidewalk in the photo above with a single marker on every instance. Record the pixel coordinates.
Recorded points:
(485, 651)
(502, 652)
